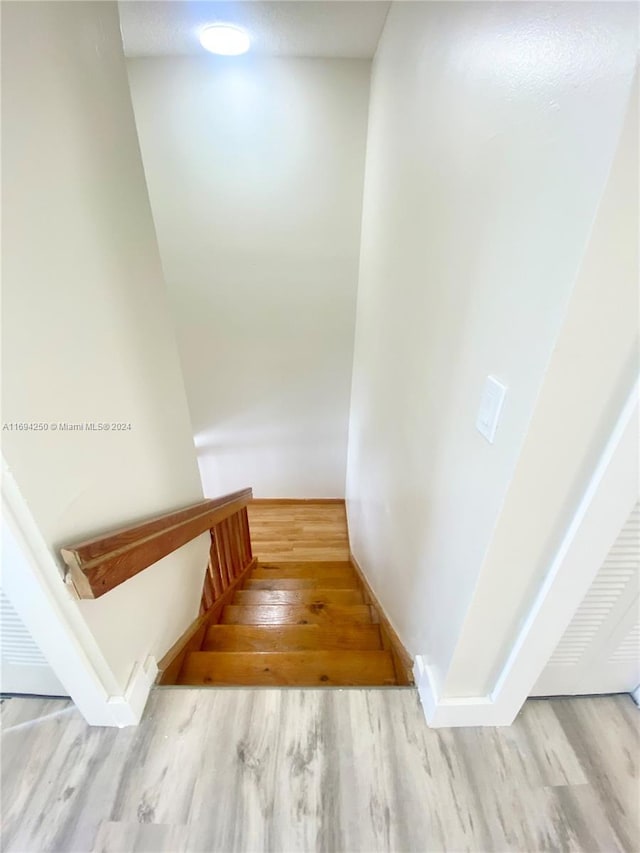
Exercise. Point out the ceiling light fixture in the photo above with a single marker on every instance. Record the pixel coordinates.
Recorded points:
(224, 39)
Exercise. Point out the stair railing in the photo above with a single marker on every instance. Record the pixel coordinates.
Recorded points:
(95, 566)
(230, 556)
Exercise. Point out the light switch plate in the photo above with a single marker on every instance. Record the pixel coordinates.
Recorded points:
(490, 408)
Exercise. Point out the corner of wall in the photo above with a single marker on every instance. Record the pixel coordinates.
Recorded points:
(441, 712)
(127, 709)
(33, 584)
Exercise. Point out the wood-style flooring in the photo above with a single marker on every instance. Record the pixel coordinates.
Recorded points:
(300, 530)
(315, 630)
(332, 771)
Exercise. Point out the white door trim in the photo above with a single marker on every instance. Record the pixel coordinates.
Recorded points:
(32, 581)
(601, 512)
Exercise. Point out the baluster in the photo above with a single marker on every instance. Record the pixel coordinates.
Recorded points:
(235, 539)
(217, 536)
(246, 535)
(207, 591)
(226, 545)
(214, 567)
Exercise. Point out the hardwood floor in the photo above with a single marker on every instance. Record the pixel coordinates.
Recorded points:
(292, 638)
(266, 636)
(302, 530)
(341, 771)
(295, 614)
(304, 669)
(301, 577)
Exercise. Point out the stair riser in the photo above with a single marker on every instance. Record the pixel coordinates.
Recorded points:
(293, 571)
(292, 638)
(302, 583)
(305, 669)
(280, 614)
(340, 596)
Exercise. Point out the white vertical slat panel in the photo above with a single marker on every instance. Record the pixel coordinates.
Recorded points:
(24, 667)
(600, 650)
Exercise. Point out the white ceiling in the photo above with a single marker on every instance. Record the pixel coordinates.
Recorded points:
(318, 28)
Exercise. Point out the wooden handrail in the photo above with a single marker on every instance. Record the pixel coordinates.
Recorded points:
(230, 561)
(100, 564)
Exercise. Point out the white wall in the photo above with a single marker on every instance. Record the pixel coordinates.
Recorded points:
(592, 370)
(86, 332)
(491, 134)
(255, 171)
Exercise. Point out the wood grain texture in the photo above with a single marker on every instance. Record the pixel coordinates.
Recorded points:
(315, 570)
(298, 596)
(229, 559)
(192, 639)
(98, 565)
(218, 607)
(345, 771)
(295, 614)
(299, 531)
(308, 668)
(346, 581)
(292, 638)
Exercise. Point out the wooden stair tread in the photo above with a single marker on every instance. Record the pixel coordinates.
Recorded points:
(305, 564)
(294, 614)
(294, 638)
(309, 668)
(265, 571)
(344, 582)
(298, 596)
(302, 614)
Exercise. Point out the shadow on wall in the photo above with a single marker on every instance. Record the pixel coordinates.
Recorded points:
(235, 457)
(255, 178)
(278, 422)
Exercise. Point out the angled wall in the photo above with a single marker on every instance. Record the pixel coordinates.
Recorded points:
(492, 132)
(86, 331)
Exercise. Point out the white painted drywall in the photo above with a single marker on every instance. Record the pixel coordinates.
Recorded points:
(255, 172)
(592, 369)
(492, 131)
(86, 331)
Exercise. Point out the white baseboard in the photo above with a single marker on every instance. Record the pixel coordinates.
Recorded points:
(127, 709)
(445, 713)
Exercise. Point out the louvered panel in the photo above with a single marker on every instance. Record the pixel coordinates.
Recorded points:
(618, 571)
(629, 648)
(592, 642)
(18, 647)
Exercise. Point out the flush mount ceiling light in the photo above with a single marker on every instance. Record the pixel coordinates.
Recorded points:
(224, 39)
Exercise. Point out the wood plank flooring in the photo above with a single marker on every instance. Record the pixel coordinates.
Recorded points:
(299, 531)
(261, 640)
(298, 596)
(294, 614)
(304, 771)
(292, 638)
(303, 669)
(269, 582)
(313, 570)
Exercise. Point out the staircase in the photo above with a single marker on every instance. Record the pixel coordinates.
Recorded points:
(294, 623)
(283, 603)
